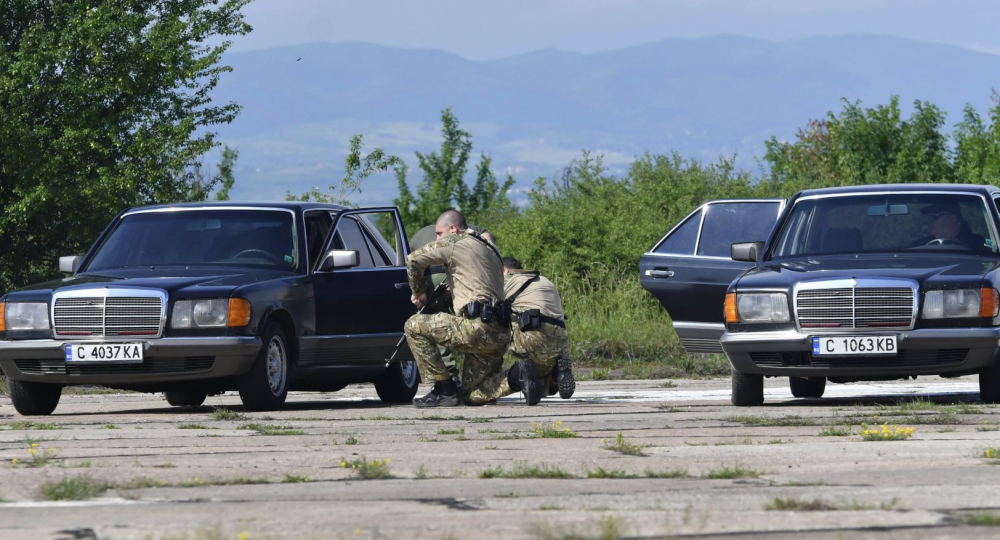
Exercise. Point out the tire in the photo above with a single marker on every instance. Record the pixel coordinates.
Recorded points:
(399, 382)
(265, 386)
(748, 389)
(989, 384)
(807, 387)
(33, 398)
(185, 398)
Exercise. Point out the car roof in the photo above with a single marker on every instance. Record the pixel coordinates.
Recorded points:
(944, 188)
(285, 205)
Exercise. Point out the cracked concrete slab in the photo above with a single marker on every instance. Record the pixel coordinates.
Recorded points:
(703, 468)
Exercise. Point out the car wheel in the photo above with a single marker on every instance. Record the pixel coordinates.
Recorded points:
(399, 382)
(748, 389)
(807, 387)
(34, 398)
(265, 386)
(989, 384)
(185, 398)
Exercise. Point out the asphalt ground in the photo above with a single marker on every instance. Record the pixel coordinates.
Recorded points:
(700, 468)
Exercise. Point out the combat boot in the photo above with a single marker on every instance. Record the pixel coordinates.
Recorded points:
(564, 376)
(444, 394)
(523, 377)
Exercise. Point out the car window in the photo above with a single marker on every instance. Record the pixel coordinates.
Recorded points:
(223, 236)
(317, 229)
(887, 223)
(681, 240)
(380, 232)
(352, 238)
(730, 223)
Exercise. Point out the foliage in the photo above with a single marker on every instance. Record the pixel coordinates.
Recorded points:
(72, 489)
(885, 433)
(357, 169)
(202, 187)
(443, 185)
(622, 446)
(375, 469)
(555, 431)
(103, 105)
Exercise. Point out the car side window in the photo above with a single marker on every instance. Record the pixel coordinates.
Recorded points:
(682, 239)
(317, 229)
(730, 223)
(352, 238)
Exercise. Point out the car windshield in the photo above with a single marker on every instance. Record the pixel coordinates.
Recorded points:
(887, 223)
(261, 238)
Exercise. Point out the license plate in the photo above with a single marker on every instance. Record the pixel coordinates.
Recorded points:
(851, 345)
(104, 352)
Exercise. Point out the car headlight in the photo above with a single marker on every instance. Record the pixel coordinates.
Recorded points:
(210, 313)
(960, 303)
(26, 316)
(757, 308)
(200, 313)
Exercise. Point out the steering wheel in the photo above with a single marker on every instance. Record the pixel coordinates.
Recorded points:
(944, 242)
(265, 255)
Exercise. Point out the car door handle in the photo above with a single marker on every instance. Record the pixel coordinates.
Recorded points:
(404, 285)
(661, 273)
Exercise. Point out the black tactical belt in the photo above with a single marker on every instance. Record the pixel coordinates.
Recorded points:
(553, 321)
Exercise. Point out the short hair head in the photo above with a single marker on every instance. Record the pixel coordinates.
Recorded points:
(512, 264)
(452, 217)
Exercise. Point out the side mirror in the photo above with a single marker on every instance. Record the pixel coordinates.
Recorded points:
(339, 258)
(69, 265)
(747, 251)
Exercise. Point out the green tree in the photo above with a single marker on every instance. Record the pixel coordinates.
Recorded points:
(443, 184)
(103, 105)
(357, 169)
(863, 146)
(977, 146)
(202, 187)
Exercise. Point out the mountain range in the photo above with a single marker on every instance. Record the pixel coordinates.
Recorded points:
(704, 98)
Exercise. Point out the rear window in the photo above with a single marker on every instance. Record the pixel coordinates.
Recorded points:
(730, 223)
(681, 240)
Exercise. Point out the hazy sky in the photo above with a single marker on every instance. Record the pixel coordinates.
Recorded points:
(480, 29)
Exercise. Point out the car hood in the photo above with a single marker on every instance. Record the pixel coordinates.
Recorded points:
(180, 281)
(927, 271)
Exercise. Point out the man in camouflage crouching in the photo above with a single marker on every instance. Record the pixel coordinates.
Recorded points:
(474, 275)
(539, 337)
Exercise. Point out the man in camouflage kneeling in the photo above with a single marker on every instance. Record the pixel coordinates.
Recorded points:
(474, 275)
(539, 337)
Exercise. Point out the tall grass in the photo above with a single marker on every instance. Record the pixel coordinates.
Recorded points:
(615, 324)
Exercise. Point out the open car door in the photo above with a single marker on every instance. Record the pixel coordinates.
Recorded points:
(690, 268)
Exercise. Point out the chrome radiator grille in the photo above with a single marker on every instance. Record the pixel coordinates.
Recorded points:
(855, 307)
(107, 316)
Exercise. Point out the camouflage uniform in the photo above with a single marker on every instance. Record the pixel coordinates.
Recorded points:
(474, 273)
(545, 345)
(443, 303)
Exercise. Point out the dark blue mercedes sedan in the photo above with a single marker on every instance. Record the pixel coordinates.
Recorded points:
(840, 284)
(198, 299)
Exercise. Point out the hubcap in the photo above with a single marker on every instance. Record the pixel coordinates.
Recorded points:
(409, 369)
(276, 365)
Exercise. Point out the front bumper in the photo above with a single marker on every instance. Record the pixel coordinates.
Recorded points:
(932, 351)
(164, 360)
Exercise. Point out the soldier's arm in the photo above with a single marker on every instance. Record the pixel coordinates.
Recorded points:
(423, 258)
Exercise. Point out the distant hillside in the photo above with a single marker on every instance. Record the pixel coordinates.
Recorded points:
(534, 112)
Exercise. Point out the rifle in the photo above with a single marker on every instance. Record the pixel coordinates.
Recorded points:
(430, 300)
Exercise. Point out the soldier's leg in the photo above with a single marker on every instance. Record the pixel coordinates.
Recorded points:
(425, 333)
(503, 383)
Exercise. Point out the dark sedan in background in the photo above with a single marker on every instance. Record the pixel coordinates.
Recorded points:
(197, 299)
(840, 284)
